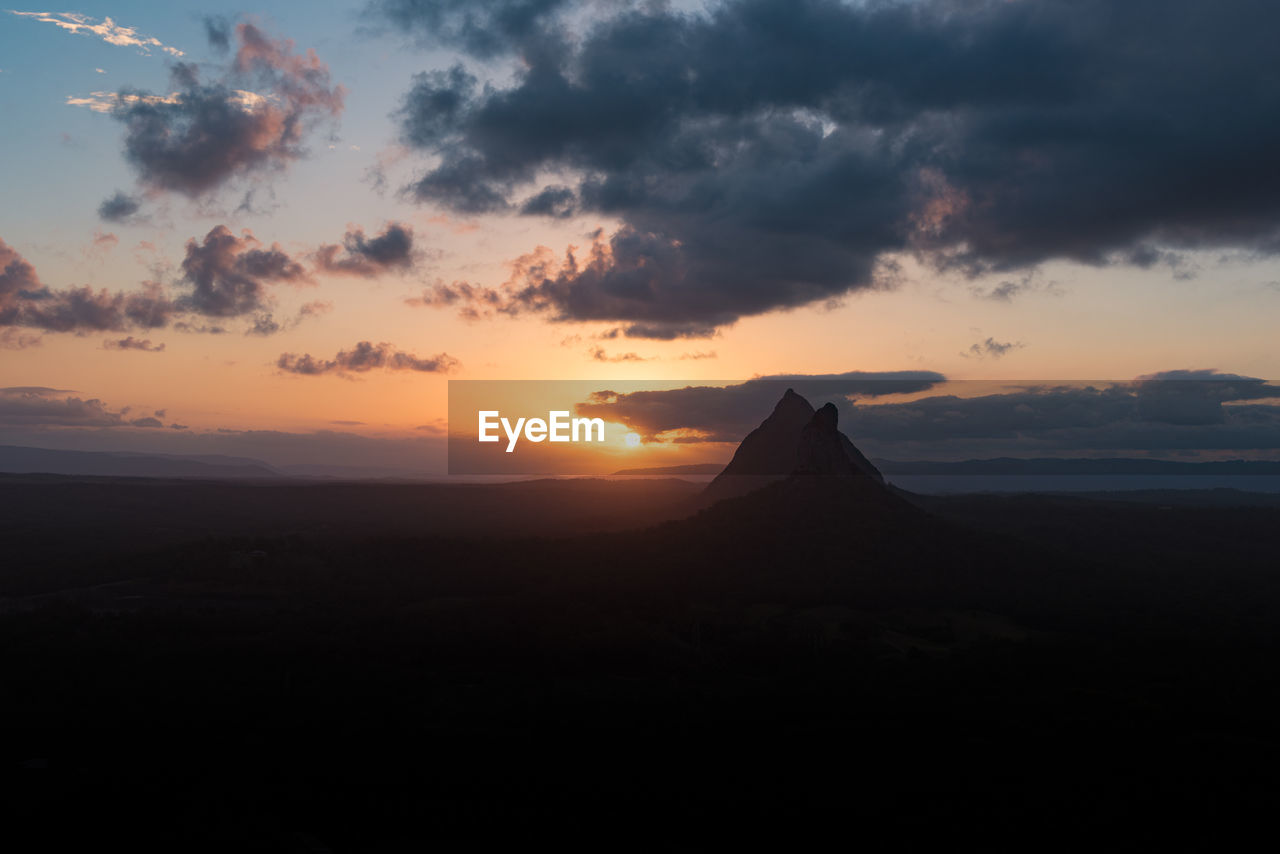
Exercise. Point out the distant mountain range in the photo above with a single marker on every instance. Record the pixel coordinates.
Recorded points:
(1016, 466)
(1079, 466)
(19, 460)
(24, 460)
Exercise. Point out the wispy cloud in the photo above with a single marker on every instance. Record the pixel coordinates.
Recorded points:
(131, 343)
(993, 348)
(106, 102)
(16, 339)
(106, 29)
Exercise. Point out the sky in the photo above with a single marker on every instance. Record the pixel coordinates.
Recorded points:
(280, 231)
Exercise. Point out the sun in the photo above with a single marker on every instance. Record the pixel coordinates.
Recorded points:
(632, 440)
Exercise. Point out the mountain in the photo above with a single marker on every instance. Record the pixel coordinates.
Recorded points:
(20, 460)
(794, 439)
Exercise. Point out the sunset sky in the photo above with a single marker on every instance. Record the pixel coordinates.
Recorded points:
(279, 231)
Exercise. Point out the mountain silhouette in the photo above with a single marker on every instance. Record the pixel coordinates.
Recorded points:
(22, 460)
(794, 439)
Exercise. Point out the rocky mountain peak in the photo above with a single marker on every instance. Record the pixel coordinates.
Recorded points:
(794, 439)
(820, 449)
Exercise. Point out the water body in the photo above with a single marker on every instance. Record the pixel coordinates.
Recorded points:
(941, 484)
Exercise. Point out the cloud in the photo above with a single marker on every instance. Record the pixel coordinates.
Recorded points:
(472, 301)
(249, 123)
(1191, 397)
(217, 30)
(228, 274)
(83, 309)
(101, 245)
(35, 406)
(106, 29)
(727, 413)
(25, 301)
(17, 276)
(16, 339)
(223, 275)
(364, 357)
(1007, 289)
(131, 343)
(315, 308)
(1173, 412)
(119, 207)
(200, 328)
(599, 354)
(483, 28)
(991, 347)
(557, 202)
(392, 250)
(266, 324)
(109, 102)
(762, 154)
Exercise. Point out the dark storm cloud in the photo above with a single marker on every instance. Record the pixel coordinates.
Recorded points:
(119, 207)
(1147, 416)
(667, 331)
(1196, 397)
(26, 302)
(249, 122)
(766, 154)
(363, 357)
(368, 257)
(554, 201)
(727, 413)
(483, 28)
(1168, 412)
(228, 274)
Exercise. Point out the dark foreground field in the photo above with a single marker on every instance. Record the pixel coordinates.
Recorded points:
(363, 667)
